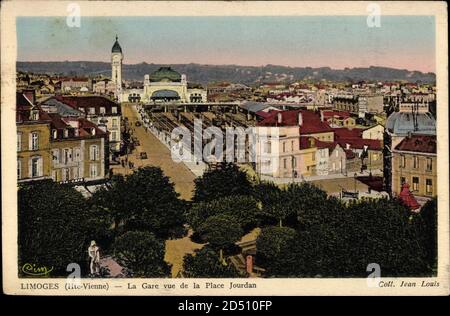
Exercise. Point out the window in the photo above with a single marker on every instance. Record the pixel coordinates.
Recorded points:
(19, 141)
(102, 110)
(415, 162)
(113, 136)
(65, 174)
(67, 155)
(429, 164)
(402, 180)
(34, 141)
(35, 167)
(54, 133)
(55, 156)
(19, 169)
(429, 186)
(91, 110)
(55, 175)
(66, 133)
(313, 156)
(284, 147)
(294, 162)
(76, 173)
(93, 170)
(415, 181)
(292, 145)
(402, 161)
(114, 110)
(77, 154)
(93, 152)
(267, 147)
(285, 163)
(114, 123)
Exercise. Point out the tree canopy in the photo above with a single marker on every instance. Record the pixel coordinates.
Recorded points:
(205, 263)
(226, 180)
(142, 254)
(56, 226)
(145, 200)
(244, 209)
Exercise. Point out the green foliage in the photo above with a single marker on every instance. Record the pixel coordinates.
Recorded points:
(142, 254)
(226, 180)
(426, 222)
(274, 249)
(340, 241)
(205, 263)
(56, 226)
(144, 200)
(221, 231)
(244, 209)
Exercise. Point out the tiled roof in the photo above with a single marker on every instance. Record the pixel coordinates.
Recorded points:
(418, 143)
(311, 121)
(344, 133)
(85, 102)
(360, 143)
(340, 114)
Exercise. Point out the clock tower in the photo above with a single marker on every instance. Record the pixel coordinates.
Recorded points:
(116, 67)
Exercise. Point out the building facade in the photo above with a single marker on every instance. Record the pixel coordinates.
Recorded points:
(414, 161)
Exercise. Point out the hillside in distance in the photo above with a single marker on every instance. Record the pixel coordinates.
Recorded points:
(239, 74)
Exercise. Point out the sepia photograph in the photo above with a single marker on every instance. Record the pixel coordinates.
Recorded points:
(224, 148)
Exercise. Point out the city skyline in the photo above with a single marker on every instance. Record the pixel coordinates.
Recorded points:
(402, 42)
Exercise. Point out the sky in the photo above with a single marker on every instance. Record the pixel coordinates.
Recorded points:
(404, 42)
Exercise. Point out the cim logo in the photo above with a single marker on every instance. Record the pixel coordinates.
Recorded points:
(35, 269)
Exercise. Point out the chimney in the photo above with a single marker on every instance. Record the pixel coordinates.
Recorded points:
(30, 94)
(300, 118)
(279, 118)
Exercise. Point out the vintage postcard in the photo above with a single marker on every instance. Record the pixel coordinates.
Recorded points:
(224, 148)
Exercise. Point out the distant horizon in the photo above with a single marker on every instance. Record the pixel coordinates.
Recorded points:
(222, 65)
(401, 42)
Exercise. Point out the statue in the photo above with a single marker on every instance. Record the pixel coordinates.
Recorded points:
(94, 255)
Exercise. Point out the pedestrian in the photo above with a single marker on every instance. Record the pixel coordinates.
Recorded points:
(123, 163)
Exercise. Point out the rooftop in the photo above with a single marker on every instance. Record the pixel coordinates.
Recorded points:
(418, 143)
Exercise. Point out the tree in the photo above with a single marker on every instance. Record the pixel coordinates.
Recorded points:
(142, 254)
(273, 200)
(56, 227)
(145, 200)
(204, 263)
(274, 249)
(426, 221)
(245, 209)
(226, 180)
(337, 240)
(221, 231)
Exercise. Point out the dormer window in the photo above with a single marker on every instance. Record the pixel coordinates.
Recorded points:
(91, 110)
(55, 134)
(93, 131)
(66, 133)
(34, 115)
(102, 110)
(114, 110)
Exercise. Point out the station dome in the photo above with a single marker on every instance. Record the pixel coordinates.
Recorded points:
(401, 123)
(165, 74)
